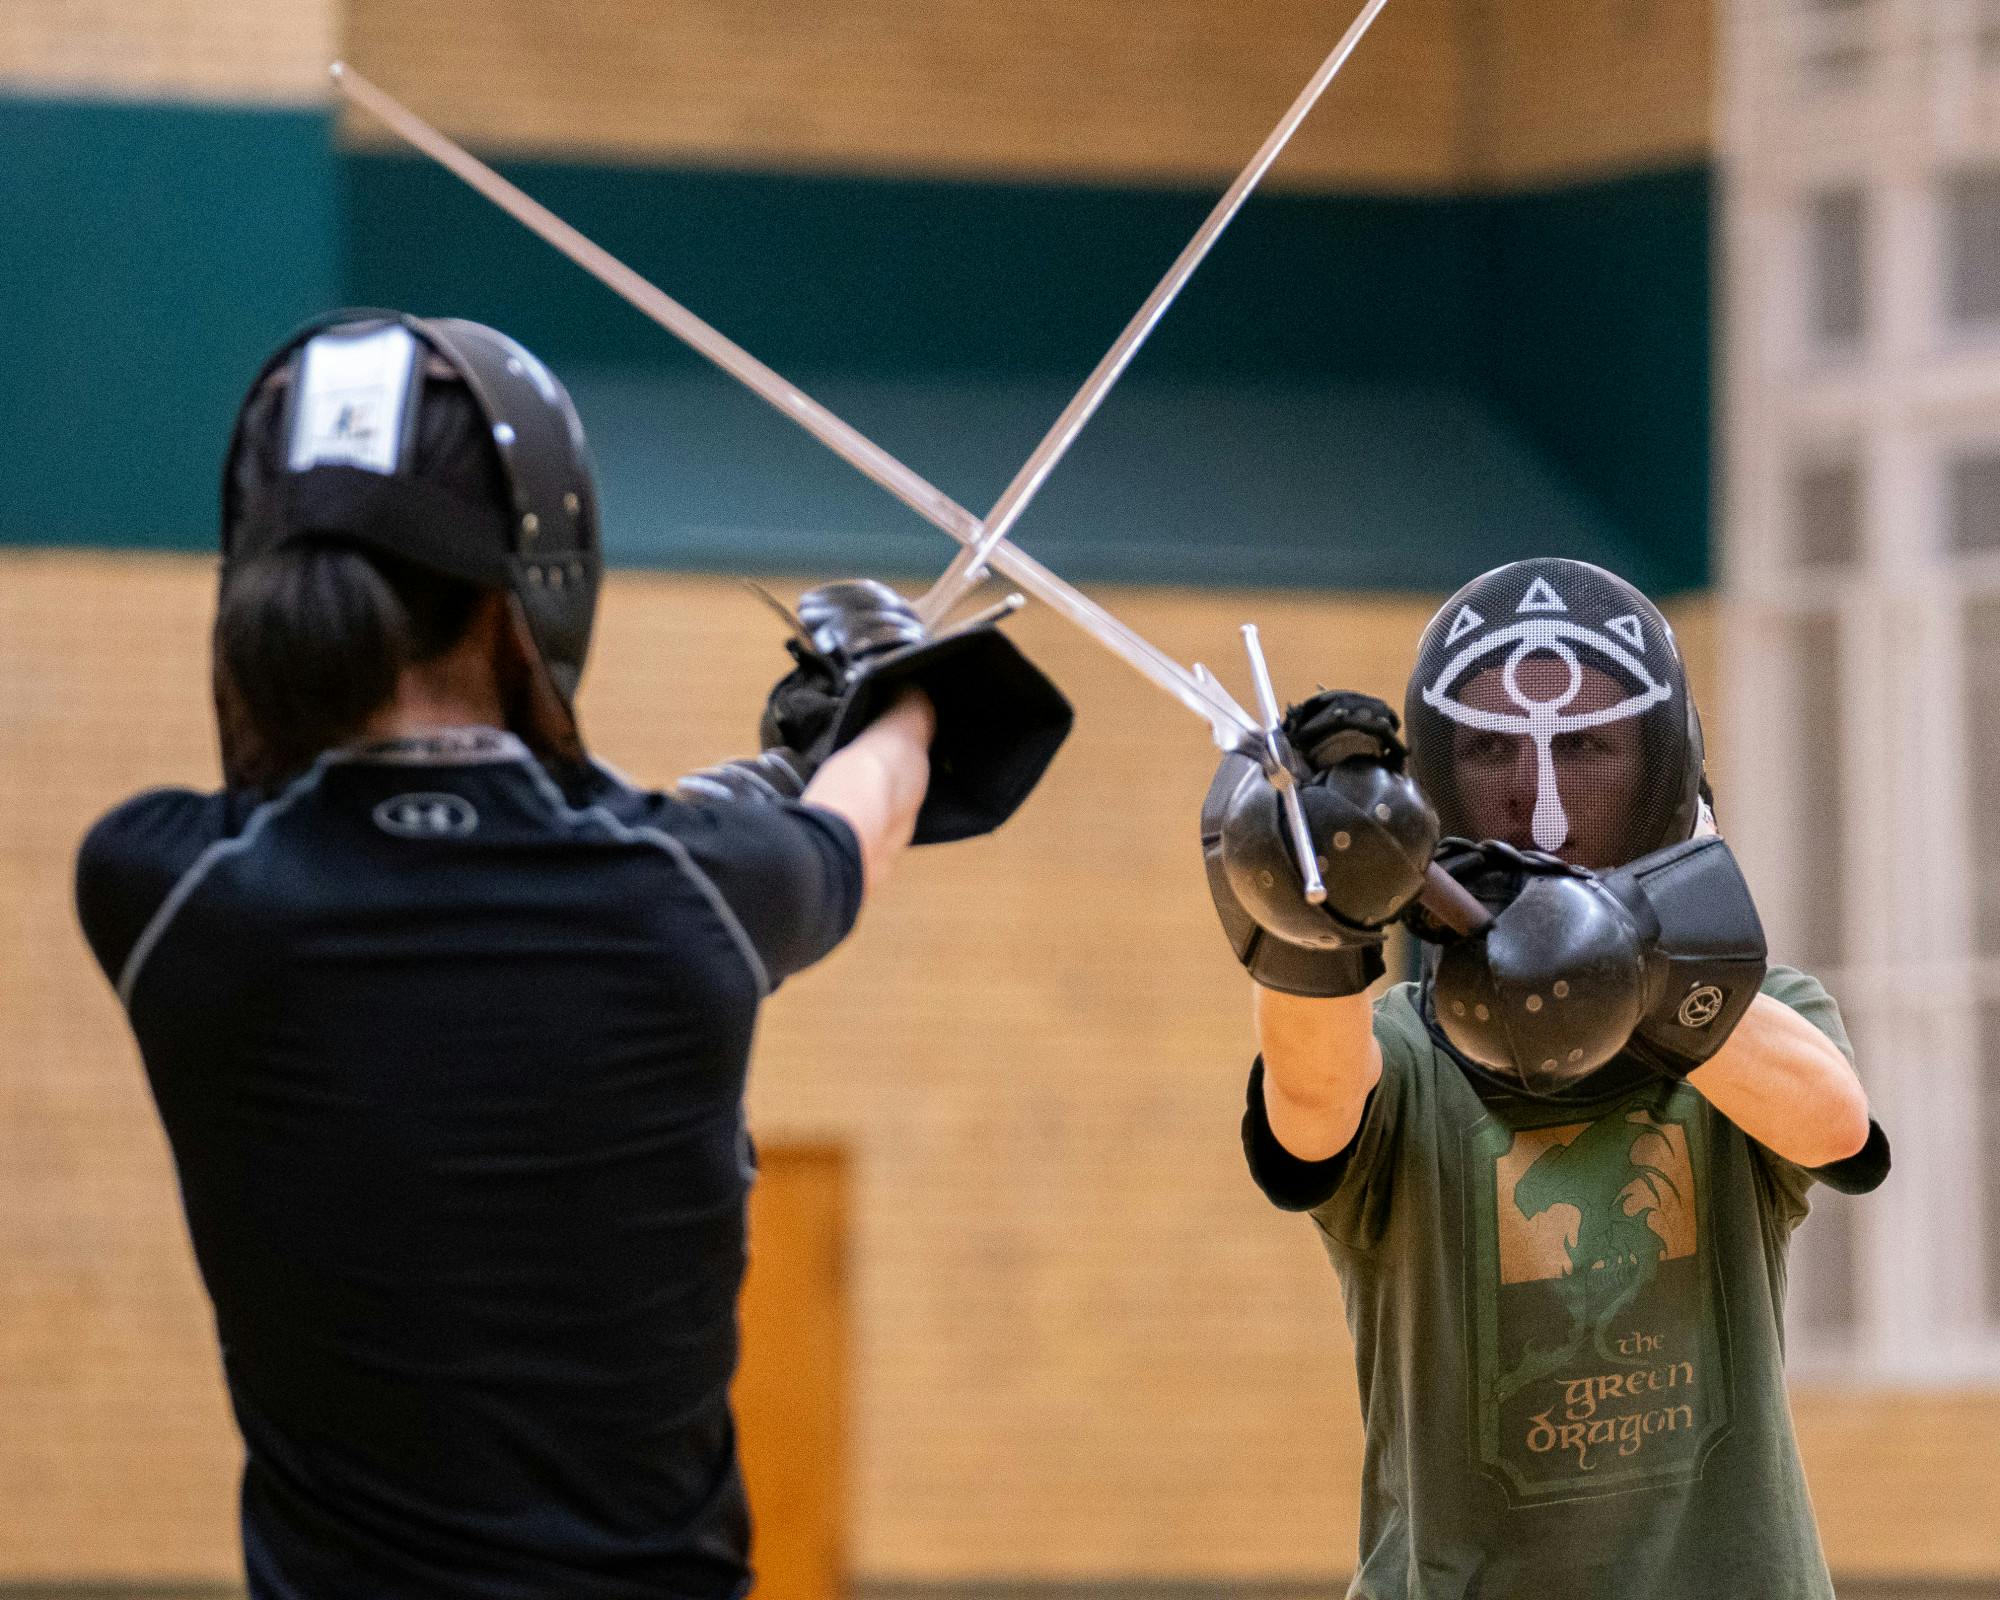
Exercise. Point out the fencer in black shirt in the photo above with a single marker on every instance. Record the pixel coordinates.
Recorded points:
(448, 1023)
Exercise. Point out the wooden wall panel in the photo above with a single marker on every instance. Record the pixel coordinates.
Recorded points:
(1177, 90)
(234, 50)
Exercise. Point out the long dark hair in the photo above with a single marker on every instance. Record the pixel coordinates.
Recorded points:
(311, 639)
(309, 644)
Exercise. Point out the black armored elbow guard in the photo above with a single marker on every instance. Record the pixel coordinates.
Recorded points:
(1660, 958)
(1704, 945)
(1373, 834)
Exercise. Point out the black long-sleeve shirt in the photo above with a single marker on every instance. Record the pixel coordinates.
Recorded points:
(452, 1064)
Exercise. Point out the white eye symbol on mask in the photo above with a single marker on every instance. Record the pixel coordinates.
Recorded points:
(1540, 721)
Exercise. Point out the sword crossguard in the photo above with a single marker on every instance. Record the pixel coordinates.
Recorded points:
(1283, 768)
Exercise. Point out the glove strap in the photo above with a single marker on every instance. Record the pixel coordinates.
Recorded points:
(1313, 974)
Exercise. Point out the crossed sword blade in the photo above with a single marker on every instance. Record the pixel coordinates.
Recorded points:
(968, 566)
(984, 543)
(1231, 724)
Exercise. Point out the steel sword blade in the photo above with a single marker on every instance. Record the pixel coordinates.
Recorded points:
(1232, 727)
(966, 567)
(1277, 760)
(1228, 721)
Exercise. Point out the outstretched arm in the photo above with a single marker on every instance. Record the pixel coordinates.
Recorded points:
(1321, 1062)
(876, 782)
(1312, 964)
(1787, 1085)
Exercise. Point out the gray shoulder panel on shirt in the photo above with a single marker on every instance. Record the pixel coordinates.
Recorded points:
(191, 880)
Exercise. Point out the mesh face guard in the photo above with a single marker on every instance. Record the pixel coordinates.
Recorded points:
(352, 390)
(1549, 709)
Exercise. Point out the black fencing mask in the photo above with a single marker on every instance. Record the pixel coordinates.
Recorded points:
(1549, 709)
(346, 436)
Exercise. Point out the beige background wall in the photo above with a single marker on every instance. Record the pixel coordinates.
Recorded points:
(1443, 93)
(1563, 89)
(1081, 1343)
(1172, 89)
(236, 50)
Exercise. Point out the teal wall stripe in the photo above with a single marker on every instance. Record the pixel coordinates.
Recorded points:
(1543, 359)
(875, 276)
(1355, 391)
(152, 254)
(1595, 318)
(1197, 482)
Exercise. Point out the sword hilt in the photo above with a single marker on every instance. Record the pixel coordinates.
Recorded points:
(1456, 906)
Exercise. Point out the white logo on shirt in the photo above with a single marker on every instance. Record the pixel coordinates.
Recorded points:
(426, 816)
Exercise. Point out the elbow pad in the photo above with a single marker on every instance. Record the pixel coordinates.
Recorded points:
(1661, 957)
(1705, 950)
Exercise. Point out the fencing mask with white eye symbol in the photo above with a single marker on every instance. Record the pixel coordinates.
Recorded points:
(1550, 709)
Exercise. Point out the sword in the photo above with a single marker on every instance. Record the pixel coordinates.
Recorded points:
(1228, 721)
(1279, 763)
(968, 566)
(1232, 727)
(981, 541)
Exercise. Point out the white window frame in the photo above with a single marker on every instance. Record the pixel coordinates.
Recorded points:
(1902, 403)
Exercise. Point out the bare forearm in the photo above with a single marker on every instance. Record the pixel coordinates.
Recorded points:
(877, 782)
(1320, 1062)
(1785, 1084)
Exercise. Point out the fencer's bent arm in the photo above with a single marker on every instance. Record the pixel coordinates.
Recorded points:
(876, 782)
(1321, 1062)
(1787, 1085)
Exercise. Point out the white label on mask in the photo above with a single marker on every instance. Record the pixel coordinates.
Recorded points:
(353, 390)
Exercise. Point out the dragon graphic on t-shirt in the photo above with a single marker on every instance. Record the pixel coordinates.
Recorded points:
(1597, 1345)
(1615, 1253)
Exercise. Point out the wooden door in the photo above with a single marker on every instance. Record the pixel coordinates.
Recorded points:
(790, 1390)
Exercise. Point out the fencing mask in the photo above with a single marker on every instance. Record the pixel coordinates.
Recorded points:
(330, 445)
(1549, 709)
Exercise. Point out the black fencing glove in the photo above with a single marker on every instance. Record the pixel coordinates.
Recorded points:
(1705, 950)
(1372, 831)
(840, 624)
(1659, 958)
(1000, 721)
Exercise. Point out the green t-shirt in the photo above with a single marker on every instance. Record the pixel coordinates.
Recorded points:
(1568, 1329)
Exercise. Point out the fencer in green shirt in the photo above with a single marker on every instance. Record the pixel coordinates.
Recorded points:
(1557, 1175)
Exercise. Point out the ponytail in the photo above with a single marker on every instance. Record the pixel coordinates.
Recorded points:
(310, 642)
